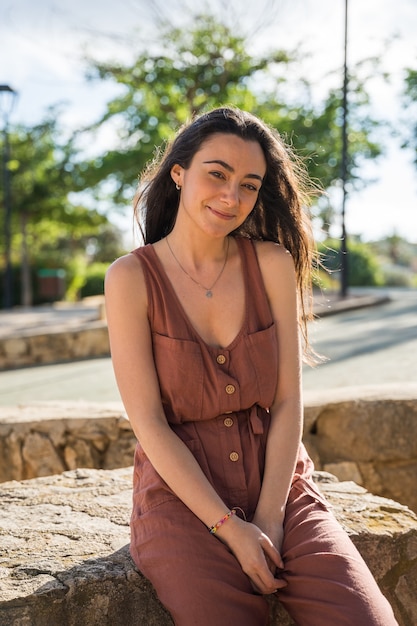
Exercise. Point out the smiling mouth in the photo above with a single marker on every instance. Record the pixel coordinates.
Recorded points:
(220, 214)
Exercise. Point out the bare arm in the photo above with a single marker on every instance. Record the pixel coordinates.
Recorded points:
(286, 412)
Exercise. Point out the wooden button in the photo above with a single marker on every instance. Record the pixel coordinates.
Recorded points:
(228, 422)
(221, 359)
(233, 456)
(230, 389)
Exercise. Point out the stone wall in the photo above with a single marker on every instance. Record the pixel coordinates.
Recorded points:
(52, 345)
(368, 435)
(64, 555)
(50, 438)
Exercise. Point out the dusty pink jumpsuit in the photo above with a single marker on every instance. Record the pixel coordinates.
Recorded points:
(216, 400)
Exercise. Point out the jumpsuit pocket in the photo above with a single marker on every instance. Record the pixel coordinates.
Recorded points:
(262, 347)
(179, 364)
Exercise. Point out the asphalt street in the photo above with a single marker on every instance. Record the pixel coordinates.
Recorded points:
(373, 345)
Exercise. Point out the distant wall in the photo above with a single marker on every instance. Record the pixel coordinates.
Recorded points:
(86, 340)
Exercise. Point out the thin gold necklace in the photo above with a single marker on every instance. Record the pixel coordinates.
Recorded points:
(208, 290)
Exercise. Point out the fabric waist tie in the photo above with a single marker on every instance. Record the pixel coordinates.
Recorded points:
(255, 420)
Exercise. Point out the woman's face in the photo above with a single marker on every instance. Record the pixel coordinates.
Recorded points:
(220, 187)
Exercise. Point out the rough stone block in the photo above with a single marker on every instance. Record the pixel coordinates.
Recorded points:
(345, 470)
(64, 556)
(373, 427)
(376, 424)
(49, 438)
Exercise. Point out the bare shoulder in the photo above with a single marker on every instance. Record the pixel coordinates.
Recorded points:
(123, 265)
(125, 278)
(123, 268)
(278, 273)
(274, 260)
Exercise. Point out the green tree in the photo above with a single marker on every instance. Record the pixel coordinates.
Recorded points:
(209, 65)
(197, 70)
(49, 226)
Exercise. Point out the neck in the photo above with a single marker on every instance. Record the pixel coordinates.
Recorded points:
(200, 277)
(198, 252)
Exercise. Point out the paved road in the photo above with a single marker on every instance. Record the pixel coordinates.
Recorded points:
(374, 345)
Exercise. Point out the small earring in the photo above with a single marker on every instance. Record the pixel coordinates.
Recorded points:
(177, 186)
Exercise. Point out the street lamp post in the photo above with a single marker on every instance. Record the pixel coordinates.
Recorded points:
(7, 100)
(344, 173)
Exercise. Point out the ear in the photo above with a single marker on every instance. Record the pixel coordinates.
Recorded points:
(177, 174)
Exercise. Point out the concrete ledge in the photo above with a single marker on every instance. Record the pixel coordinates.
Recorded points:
(54, 345)
(332, 304)
(64, 555)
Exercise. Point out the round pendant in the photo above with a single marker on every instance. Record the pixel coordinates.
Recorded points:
(209, 293)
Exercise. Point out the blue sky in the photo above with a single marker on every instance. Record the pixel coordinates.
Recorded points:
(42, 45)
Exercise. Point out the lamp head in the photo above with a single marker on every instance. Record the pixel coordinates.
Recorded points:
(7, 100)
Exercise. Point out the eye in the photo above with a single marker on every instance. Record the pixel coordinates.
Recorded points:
(217, 174)
(250, 187)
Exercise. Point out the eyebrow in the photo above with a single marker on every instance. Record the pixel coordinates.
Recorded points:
(229, 168)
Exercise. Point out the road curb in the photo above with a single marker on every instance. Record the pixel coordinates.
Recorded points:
(331, 306)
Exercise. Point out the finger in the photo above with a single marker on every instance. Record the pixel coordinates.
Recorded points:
(279, 583)
(264, 587)
(266, 581)
(271, 552)
(271, 565)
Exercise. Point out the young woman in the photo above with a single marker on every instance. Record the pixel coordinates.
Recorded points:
(205, 322)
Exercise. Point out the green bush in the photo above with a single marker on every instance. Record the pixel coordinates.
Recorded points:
(94, 280)
(364, 269)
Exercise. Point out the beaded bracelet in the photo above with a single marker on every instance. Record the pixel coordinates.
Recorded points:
(213, 529)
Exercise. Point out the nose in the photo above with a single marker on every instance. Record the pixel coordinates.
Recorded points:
(230, 194)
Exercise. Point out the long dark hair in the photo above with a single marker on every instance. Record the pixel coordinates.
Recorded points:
(281, 210)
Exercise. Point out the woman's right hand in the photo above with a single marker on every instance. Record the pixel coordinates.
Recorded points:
(253, 549)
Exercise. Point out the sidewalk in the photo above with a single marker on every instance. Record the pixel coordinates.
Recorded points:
(24, 321)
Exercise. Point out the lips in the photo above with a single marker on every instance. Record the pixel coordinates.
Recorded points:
(221, 214)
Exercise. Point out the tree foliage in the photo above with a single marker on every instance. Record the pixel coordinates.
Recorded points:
(207, 66)
(196, 71)
(49, 225)
(42, 180)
